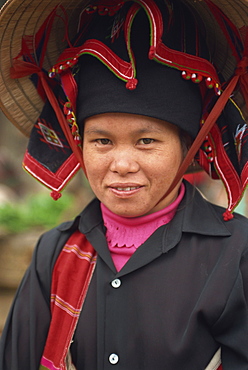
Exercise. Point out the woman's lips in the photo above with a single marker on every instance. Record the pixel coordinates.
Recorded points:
(123, 190)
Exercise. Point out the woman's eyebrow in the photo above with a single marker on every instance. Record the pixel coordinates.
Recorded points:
(95, 130)
(99, 131)
(148, 130)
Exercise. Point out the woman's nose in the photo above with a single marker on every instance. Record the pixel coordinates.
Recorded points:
(124, 163)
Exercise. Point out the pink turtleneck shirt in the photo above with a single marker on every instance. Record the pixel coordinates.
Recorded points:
(124, 235)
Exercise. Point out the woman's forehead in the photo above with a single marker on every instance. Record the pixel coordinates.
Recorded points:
(108, 122)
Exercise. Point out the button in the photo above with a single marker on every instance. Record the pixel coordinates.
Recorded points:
(116, 283)
(113, 358)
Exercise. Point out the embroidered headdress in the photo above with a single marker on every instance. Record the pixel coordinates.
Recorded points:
(42, 46)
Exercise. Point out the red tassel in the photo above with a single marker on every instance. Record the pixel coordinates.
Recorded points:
(209, 83)
(55, 195)
(186, 75)
(227, 215)
(131, 84)
(151, 52)
(196, 78)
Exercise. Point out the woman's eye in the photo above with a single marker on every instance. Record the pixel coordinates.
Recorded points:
(146, 141)
(103, 141)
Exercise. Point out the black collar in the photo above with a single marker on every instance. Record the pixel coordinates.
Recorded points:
(194, 215)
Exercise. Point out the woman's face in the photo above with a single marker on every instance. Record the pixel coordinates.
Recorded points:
(131, 161)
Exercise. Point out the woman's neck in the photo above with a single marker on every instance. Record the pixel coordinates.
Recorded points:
(132, 232)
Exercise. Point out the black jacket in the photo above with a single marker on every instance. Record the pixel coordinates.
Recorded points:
(181, 296)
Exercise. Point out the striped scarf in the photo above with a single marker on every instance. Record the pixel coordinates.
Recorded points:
(70, 281)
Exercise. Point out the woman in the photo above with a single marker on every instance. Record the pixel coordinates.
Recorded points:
(149, 275)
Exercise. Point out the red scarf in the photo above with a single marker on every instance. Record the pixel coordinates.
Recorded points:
(70, 281)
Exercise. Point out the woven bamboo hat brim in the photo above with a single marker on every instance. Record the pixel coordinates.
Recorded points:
(19, 99)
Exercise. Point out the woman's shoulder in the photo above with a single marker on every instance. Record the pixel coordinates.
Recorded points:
(210, 219)
(52, 241)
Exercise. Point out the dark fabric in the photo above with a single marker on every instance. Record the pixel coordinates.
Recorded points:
(161, 91)
(183, 294)
(47, 143)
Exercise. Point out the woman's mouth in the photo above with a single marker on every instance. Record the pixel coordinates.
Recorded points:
(125, 190)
